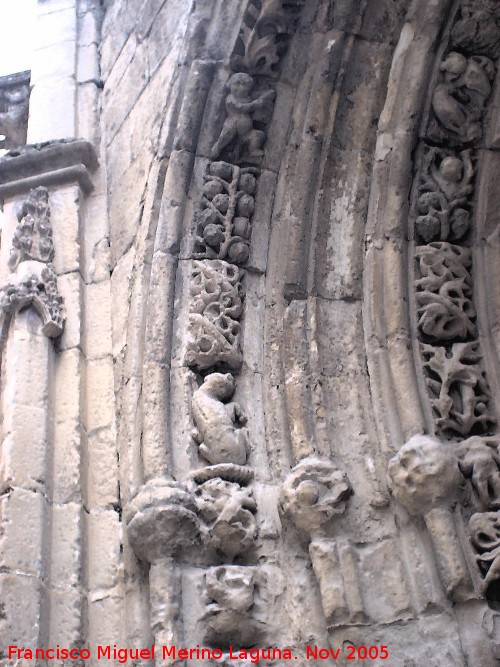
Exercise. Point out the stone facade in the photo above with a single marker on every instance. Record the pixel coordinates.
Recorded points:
(249, 335)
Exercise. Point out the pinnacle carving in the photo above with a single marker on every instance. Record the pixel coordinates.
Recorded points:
(33, 281)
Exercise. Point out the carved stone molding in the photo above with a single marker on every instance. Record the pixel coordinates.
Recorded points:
(458, 388)
(48, 164)
(33, 281)
(263, 36)
(484, 530)
(459, 99)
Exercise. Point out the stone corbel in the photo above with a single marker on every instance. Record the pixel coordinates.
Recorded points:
(313, 494)
(161, 521)
(425, 479)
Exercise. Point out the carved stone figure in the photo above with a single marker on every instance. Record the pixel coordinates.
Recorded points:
(484, 529)
(479, 461)
(33, 280)
(239, 126)
(218, 422)
(216, 305)
(161, 519)
(444, 195)
(224, 222)
(424, 474)
(458, 388)
(444, 291)
(230, 591)
(313, 493)
(227, 509)
(263, 36)
(478, 28)
(458, 101)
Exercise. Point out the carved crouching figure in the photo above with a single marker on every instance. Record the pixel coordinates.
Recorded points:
(239, 123)
(218, 432)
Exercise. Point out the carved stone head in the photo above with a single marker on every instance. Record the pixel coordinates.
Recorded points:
(314, 492)
(424, 474)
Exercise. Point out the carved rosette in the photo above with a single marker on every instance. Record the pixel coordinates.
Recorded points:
(33, 281)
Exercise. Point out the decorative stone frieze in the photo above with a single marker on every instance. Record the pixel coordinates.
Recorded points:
(484, 530)
(458, 388)
(459, 99)
(263, 36)
(215, 308)
(239, 128)
(224, 221)
(33, 281)
(444, 292)
(479, 461)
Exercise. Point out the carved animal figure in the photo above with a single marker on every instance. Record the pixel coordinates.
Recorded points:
(458, 101)
(217, 422)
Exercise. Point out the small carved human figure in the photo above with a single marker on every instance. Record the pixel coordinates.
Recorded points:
(458, 100)
(239, 122)
(484, 529)
(479, 461)
(218, 423)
